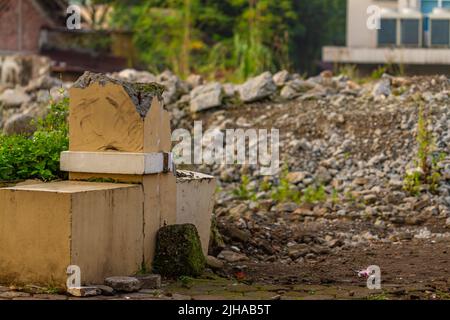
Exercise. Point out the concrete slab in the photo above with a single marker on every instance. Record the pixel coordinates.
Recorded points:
(47, 227)
(195, 202)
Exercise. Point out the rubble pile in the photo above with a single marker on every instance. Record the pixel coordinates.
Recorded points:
(346, 146)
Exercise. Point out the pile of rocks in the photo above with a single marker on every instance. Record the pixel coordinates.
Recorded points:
(19, 105)
(354, 141)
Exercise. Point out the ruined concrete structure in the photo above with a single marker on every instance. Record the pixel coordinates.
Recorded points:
(119, 132)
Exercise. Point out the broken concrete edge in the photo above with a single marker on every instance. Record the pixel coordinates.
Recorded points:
(141, 94)
(186, 176)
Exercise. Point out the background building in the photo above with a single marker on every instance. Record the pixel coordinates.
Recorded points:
(38, 27)
(413, 33)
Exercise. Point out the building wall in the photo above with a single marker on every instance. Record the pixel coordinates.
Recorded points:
(32, 22)
(358, 35)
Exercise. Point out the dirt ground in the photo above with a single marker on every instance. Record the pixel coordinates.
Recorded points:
(412, 269)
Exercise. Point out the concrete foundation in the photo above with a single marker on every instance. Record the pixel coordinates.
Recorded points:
(195, 202)
(47, 227)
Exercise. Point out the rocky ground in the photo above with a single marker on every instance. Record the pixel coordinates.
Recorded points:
(339, 203)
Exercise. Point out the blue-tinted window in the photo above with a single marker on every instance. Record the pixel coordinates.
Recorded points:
(387, 35)
(410, 32)
(440, 35)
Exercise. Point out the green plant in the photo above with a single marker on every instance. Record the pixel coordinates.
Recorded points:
(186, 282)
(285, 191)
(243, 191)
(265, 186)
(412, 183)
(335, 196)
(314, 194)
(378, 72)
(427, 163)
(349, 70)
(37, 157)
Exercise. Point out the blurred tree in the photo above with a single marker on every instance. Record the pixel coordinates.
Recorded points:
(230, 38)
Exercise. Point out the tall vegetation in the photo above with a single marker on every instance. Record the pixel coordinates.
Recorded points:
(230, 38)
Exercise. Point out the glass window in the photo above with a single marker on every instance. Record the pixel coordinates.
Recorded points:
(410, 32)
(387, 35)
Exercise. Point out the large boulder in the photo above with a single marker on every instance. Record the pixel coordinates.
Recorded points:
(179, 251)
(19, 124)
(206, 97)
(14, 98)
(257, 88)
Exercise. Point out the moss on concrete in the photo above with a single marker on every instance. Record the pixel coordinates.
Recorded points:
(179, 252)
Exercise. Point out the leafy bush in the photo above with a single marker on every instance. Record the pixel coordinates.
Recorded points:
(37, 157)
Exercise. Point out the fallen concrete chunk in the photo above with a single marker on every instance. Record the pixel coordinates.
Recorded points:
(106, 290)
(179, 251)
(84, 291)
(150, 281)
(124, 284)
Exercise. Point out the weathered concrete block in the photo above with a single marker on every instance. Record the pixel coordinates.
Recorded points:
(47, 227)
(150, 281)
(179, 251)
(124, 284)
(195, 202)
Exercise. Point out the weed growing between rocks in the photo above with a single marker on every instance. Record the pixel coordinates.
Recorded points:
(37, 157)
(284, 191)
(426, 174)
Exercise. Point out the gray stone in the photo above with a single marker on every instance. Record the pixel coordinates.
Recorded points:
(229, 90)
(84, 291)
(19, 124)
(195, 80)
(382, 88)
(124, 284)
(106, 290)
(175, 88)
(14, 98)
(14, 294)
(214, 263)
(231, 256)
(150, 281)
(257, 88)
(280, 78)
(295, 88)
(206, 97)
